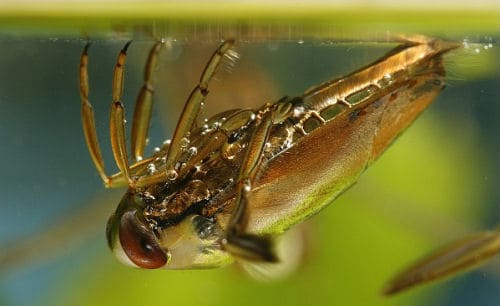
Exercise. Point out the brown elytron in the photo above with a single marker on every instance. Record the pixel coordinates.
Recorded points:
(224, 188)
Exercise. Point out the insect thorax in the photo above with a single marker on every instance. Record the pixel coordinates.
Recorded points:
(212, 155)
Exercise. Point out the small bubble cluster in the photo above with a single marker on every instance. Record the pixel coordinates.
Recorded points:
(476, 49)
(192, 151)
(267, 147)
(298, 111)
(151, 168)
(247, 186)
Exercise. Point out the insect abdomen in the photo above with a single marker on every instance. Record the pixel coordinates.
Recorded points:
(328, 159)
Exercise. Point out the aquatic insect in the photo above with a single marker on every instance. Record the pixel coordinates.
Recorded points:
(224, 189)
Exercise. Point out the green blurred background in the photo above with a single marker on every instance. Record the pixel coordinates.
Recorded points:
(436, 184)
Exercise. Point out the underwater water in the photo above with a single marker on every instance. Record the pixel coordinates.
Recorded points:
(437, 183)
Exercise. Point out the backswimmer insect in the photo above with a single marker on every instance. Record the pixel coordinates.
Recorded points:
(224, 189)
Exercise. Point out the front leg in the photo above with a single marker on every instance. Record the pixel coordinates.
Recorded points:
(237, 242)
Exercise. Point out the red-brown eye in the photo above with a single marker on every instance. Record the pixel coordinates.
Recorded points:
(139, 243)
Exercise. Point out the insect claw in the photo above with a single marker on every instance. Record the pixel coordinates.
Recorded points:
(125, 48)
(86, 48)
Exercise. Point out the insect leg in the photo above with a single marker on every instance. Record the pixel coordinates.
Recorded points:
(454, 258)
(214, 141)
(88, 122)
(144, 106)
(117, 118)
(193, 106)
(237, 242)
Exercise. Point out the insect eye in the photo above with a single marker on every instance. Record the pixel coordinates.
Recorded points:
(139, 243)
